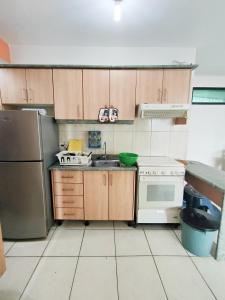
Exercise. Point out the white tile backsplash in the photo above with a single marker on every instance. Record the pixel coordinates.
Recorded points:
(145, 137)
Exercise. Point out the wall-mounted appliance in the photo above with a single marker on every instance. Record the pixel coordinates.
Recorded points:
(163, 110)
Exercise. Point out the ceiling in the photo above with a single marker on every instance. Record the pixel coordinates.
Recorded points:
(153, 23)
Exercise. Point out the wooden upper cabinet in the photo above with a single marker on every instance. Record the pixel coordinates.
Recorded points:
(122, 92)
(13, 86)
(176, 86)
(96, 195)
(121, 195)
(68, 94)
(95, 92)
(149, 86)
(2, 258)
(39, 86)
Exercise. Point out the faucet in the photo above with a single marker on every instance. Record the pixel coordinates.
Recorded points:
(104, 146)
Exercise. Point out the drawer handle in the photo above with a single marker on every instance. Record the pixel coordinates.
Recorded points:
(68, 214)
(68, 201)
(67, 190)
(69, 177)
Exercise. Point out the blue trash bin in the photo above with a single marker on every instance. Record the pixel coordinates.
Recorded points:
(198, 229)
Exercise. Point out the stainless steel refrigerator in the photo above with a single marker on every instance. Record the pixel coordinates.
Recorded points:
(28, 144)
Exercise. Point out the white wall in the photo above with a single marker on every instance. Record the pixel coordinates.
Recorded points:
(206, 142)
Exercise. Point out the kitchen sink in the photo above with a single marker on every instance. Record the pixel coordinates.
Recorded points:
(105, 163)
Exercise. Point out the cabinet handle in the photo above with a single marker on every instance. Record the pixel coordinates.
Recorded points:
(110, 179)
(159, 95)
(25, 95)
(68, 201)
(67, 190)
(30, 94)
(69, 177)
(164, 95)
(78, 111)
(68, 214)
(104, 179)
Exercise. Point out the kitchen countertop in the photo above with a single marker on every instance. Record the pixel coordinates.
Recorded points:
(57, 166)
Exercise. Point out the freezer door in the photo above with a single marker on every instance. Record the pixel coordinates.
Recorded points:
(20, 136)
(22, 200)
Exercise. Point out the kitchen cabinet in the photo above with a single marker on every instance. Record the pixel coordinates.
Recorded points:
(149, 86)
(121, 195)
(68, 94)
(95, 92)
(122, 92)
(68, 199)
(163, 86)
(13, 86)
(26, 86)
(39, 86)
(2, 258)
(96, 195)
(176, 86)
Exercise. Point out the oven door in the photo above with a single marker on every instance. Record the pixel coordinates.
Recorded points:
(160, 191)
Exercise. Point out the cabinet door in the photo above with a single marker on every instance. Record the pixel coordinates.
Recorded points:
(121, 195)
(96, 195)
(122, 92)
(68, 92)
(96, 92)
(13, 86)
(176, 86)
(2, 258)
(149, 86)
(39, 86)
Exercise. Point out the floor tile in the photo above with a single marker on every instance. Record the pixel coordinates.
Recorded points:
(65, 243)
(181, 279)
(123, 225)
(7, 245)
(95, 279)
(164, 242)
(213, 272)
(30, 248)
(72, 225)
(13, 282)
(52, 279)
(138, 279)
(100, 225)
(98, 243)
(131, 242)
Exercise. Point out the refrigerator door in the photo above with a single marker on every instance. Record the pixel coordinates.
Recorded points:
(22, 200)
(20, 136)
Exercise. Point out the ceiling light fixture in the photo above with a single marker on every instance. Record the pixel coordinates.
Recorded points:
(117, 10)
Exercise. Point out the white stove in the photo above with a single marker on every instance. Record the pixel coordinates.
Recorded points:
(160, 189)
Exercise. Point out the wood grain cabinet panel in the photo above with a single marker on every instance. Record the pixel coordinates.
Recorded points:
(2, 258)
(95, 92)
(39, 86)
(176, 86)
(67, 176)
(96, 195)
(149, 86)
(68, 94)
(122, 92)
(121, 195)
(13, 86)
(69, 213)
(68, 189)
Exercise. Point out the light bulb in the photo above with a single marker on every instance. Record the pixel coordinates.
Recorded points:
(117, 11)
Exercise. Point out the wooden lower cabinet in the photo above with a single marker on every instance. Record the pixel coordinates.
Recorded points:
(99, 195)
(2, 258)
(121, 195)
(96, 195)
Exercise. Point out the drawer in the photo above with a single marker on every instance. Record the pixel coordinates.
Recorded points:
(68, 189)
(69, 213)
(68, 201)
(68, 176)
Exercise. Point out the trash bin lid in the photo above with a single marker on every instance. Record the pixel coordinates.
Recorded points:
(199, 219)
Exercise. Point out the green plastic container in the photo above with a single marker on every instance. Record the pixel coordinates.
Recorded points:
(128, 159)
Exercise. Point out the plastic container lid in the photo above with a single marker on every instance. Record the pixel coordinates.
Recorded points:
(199, 219)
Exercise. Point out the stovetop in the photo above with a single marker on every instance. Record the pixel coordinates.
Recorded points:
(157, 161)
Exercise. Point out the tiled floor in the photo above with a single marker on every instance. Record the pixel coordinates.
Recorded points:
(109, 261)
